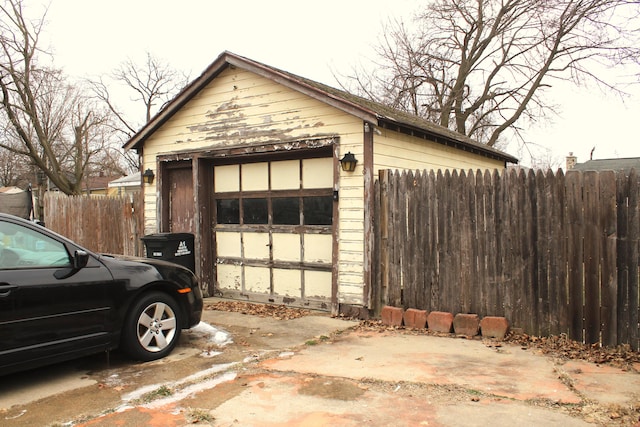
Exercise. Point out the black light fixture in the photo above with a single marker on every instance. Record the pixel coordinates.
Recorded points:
(148, 176)
(348, 162)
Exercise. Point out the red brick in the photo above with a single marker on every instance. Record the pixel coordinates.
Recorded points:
(415, 319)
(466, 324)
(494, 327)
(440, 321)
(391, 316)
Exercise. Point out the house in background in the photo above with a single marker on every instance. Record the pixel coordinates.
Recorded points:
(624, 164)
(129, 184)
(274, 175)
(97, 185)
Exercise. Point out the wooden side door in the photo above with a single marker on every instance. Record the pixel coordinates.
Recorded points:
(181, 200)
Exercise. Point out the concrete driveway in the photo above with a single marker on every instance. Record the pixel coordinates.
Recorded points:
(317, 371)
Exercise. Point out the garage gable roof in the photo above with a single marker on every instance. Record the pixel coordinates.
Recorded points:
(362, 108)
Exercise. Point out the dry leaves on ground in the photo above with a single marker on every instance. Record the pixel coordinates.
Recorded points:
(622, 356)
(278, 312)
(557, 346)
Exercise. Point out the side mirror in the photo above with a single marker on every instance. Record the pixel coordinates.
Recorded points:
(80, 259)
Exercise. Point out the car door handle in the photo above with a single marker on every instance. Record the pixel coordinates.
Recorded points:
(6, 289)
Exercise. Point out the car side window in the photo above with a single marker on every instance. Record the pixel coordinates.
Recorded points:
(22, 247)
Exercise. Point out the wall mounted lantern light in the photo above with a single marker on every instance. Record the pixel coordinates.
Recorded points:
(148, 176)
(348, 162)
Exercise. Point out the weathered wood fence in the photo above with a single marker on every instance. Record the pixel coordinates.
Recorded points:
(554, 254)
(101, 224)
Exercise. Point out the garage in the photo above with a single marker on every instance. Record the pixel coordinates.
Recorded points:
(273, 230)
(279, 180)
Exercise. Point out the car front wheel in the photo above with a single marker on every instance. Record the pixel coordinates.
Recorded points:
(152, 328)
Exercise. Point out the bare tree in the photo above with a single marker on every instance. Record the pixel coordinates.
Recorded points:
(14, 170)
(480, 66)
(150, 85)
(50, 121)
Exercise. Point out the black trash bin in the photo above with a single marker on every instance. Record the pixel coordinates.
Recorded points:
(173, 247)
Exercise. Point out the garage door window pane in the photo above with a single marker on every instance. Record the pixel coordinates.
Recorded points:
(286, 210)
(228, 211)
(255, 211)
(318, 210)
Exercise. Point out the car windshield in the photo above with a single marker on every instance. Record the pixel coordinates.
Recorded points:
(22, 247)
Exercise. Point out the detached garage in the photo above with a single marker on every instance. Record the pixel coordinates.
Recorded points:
(274, 174)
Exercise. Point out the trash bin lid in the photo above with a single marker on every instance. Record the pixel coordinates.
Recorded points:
(167, 236)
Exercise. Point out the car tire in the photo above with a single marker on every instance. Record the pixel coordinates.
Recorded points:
(152, 327)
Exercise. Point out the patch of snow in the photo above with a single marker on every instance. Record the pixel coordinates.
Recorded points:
(24, 411)
(216, 335)
(213, 370)
(191, 390)
(113, 381)
(194, 388)
(123, 408)
(138, 393)
(286, 354)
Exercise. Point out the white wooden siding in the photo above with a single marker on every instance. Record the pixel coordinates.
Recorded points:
(393, 150)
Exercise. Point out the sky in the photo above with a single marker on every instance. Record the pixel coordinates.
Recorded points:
(312, 39)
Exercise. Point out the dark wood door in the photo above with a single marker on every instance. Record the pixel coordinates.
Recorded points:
(181, 202)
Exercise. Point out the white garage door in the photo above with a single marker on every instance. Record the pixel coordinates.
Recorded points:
(273, 231)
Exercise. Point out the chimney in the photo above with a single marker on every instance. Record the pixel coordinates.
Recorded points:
(571, 161)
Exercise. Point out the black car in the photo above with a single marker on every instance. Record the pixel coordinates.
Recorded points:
(59, 301)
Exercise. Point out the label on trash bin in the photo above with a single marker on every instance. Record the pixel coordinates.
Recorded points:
(182, 249)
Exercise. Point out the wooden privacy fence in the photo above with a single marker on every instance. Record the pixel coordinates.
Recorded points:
(101, 224)
(554, 254)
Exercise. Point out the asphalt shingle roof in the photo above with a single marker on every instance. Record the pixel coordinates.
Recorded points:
(625, 164)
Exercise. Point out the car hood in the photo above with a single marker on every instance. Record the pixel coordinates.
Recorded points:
(148, 269)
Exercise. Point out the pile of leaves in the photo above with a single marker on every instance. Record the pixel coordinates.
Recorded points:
(278, 312)
(560, 346)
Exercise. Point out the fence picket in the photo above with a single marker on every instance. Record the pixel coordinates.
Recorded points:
(410, 207)
(634, 239)
(608, 271)
(558, 286)
(592, 242)
(465, 234)
(423, 222)
(542, 251)
(480, 280)
(397, 233)
(431, 260)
